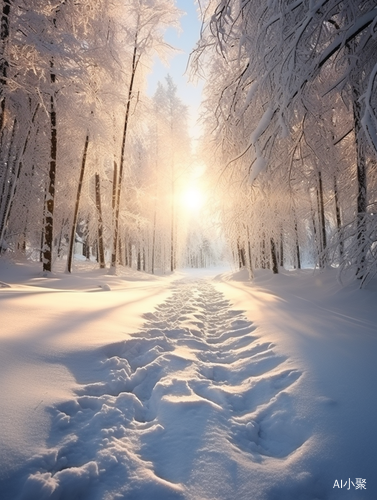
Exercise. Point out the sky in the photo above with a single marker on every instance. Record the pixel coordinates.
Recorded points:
(185, 41)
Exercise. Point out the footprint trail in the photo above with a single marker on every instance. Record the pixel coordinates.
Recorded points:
(176, 409)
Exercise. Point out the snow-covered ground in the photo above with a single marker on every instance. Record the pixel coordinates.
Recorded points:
(199, 386)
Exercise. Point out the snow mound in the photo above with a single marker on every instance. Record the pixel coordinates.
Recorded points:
(240, 275)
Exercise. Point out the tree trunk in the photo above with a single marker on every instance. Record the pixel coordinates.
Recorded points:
(95, 250)
(130, 253)
(7, 185)
(101, 253)
(274, 259)
(239, 255)
(85, 242)
(121, 260)
(115, 182)
(242, 257)
(4, 65)
(154, 238)
(172, 235)
(298, 254)
(265, 261)
(126, 263)
(17, 168)
(338, 219)
(138, 258)
(361, 176)
(50, 198)
(121, 166)
(322, 219)
(314, 224)
(251, 270)
(77, 204)
(43, 228)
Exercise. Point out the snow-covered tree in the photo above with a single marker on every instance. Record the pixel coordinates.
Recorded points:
(170, 160)
(146, 23)
(290, 85)
(73, 97)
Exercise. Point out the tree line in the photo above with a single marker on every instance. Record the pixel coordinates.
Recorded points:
(85, 155)
(291, 120)
(290, 134)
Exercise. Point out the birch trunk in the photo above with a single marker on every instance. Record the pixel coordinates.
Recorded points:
(135, 61)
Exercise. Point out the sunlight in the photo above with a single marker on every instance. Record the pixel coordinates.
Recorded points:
(192, 199)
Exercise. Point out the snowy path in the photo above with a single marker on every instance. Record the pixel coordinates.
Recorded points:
(190, 407)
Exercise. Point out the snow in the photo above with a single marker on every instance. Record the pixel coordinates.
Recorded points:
(197, 385)
(262, 125)
(257, 167)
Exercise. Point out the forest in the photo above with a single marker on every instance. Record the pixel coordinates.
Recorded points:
(185, 317)
(289, 116)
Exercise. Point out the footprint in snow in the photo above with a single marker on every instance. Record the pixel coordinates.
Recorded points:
(194, 380)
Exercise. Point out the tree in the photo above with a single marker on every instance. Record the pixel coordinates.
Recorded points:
(70, 78)
(146, 20)
(174, 156)
(284, 69)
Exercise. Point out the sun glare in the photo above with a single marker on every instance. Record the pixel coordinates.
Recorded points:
(192, 199)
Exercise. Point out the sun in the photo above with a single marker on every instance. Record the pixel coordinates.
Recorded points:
(192, 199)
